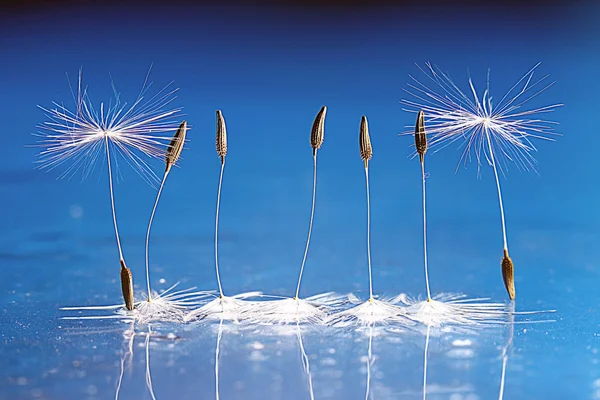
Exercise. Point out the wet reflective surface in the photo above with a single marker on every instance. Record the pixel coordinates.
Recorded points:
(270, 76)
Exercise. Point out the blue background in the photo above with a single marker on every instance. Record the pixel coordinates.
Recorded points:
(270, 69)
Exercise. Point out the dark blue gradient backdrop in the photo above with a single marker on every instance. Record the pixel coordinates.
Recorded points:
(270, 68)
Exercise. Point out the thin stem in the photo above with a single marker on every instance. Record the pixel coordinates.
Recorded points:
(217, 226)
(310, 226)
(425, 230)
(148, 233)
(112, 199)
(217, 352)
(369, 233)
(425, 364)
(493, 161)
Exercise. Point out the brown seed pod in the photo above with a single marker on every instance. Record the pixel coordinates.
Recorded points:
(420, 136)
(508, 274)
(127, 285)
(317, 133)
(176, 146)
(221, 136)
(366, 150)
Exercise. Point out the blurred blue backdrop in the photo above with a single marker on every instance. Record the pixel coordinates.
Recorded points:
(270, 69)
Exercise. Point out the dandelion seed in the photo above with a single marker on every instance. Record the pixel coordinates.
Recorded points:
(373, 310)
(168, 306)
(314, 309)
(223, 307)
(163, 307)
(317, 135)
(445, 308)
(221, 151)
(498, 134)
(421, 146)
(75, 140)
(366, 152)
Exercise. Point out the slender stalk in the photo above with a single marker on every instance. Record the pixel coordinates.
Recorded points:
(148, 233)
(112, 200)
(425, 364)
(369, 232)
(126, 277)
(217, 226)
(493, 161)
(508, 269)
(425, 229)
(310, 226)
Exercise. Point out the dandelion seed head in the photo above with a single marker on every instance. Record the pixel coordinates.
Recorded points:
(168, 306)
(370, 312)
(455, 309)
(282, 311)
(488, 132)
(75, 138)
(231, 308)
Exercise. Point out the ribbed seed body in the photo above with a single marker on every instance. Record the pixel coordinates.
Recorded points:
(508, 274)
(366, 150)
(221, 135)
(317, 134)
(420, 136)
(127, 286)
(176, 146)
